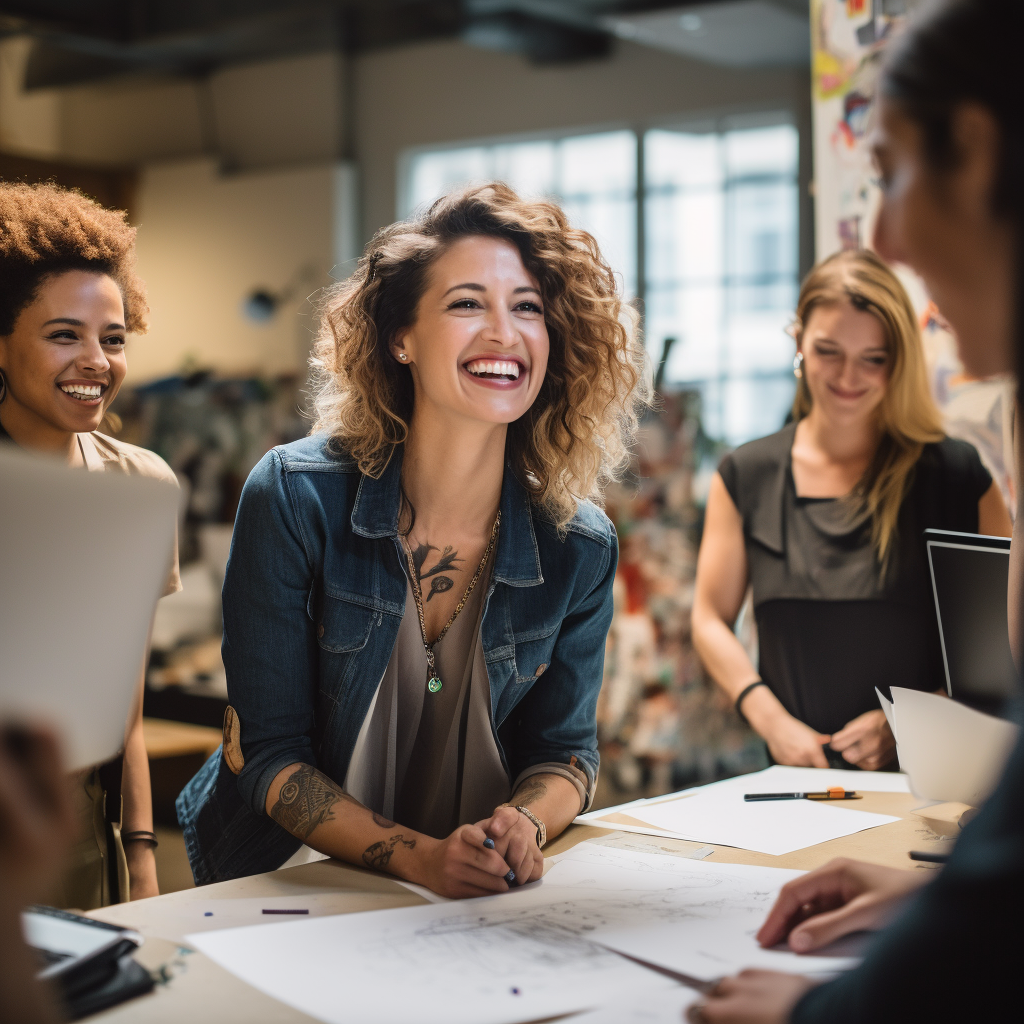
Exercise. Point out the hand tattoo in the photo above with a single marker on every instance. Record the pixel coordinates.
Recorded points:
(306, 800)
(532, 789)
(379, 819)
(378, 856)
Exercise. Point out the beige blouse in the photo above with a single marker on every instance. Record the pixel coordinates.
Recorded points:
(430, 761)
(108, 455)
(86, 883)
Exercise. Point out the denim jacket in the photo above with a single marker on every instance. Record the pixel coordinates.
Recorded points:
(313, 598)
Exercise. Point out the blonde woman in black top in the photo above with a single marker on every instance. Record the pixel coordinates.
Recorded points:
(824, 519)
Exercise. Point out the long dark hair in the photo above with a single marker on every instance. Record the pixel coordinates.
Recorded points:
(969, 51)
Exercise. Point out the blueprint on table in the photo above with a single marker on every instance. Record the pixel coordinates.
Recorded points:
(536, 952)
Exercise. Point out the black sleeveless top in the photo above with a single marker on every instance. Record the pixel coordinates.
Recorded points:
(830, 627)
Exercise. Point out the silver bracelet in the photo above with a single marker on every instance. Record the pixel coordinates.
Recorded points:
(542, 831)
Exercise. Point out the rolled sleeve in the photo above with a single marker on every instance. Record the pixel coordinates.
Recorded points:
(269, 648)
(579, 779)
(556, 722)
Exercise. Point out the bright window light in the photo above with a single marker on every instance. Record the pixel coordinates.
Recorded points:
(721, 269)
(593, 178)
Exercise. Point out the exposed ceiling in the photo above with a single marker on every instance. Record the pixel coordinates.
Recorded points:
(79, 41)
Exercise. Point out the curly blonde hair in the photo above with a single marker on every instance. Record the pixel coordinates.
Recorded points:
(47, 230)
(577, 435)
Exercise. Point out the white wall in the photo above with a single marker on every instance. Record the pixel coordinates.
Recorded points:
(206, 240)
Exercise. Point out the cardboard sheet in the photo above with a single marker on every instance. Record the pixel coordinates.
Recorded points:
(84, 559)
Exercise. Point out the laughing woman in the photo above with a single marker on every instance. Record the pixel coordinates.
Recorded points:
(69, 297)
(418, 594)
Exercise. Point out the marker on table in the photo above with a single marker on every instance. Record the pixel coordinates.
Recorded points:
(489, 844)
(929, 857)
(832, 793)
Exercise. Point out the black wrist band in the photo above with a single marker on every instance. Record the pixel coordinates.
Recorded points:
(743, 693)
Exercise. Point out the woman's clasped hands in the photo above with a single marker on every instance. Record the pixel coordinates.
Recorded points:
(486, 858)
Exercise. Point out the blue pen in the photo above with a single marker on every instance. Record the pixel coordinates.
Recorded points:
(489, 844)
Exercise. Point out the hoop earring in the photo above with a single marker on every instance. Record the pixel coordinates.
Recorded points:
(3, 387)
(798, 365)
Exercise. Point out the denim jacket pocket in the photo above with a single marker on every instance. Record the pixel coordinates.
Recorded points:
(343, 626)
(533, 652)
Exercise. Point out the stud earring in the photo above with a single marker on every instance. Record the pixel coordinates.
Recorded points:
(402, 356)
(798, 365)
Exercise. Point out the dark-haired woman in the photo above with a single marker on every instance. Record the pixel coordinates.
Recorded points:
(950, 151)
(418, 595)
(70, 296)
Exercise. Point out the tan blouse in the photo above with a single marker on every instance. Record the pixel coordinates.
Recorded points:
(430, 761)
(104, 454)
(86, 883)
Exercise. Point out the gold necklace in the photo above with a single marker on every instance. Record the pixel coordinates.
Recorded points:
(433, 679)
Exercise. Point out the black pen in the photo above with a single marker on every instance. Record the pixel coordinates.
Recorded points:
(834, 793)
(489, 844)
(928, 857)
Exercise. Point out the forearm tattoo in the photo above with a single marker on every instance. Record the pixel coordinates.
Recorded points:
(306, 800)
(532, 789)
(379, 819)
(440, 571)
(378, 856)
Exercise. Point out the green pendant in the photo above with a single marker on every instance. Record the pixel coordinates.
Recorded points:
(433, 684)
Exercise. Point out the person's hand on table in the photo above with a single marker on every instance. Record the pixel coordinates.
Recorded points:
(461, 866)
(751, 997)
(515, 838)
(867, 741)
(841, 897)
(793, 743)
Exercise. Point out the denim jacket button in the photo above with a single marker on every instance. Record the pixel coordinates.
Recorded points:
(320, 630)
(540, 670)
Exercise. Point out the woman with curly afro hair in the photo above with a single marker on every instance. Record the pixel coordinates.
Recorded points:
(70, 296)
(418, 594)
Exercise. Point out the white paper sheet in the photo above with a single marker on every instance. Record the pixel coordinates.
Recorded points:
(487, 961)
(698, 918)
(950, 752)
(662, 1007)
(777, 779)
(74, 618)
(775, 827)
(887, 711)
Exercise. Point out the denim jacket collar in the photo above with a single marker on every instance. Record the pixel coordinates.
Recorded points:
(517, 562)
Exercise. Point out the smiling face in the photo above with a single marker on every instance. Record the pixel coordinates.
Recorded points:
(940, 223)
(846, 362)
(478, 349)
(64, 361)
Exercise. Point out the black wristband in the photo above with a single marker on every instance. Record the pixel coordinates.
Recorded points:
(743, 693)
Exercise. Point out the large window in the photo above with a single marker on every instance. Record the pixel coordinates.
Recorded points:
(709, 244)
(593, 177)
